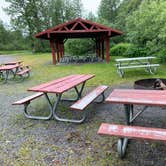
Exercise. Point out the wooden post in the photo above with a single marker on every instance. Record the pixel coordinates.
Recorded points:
(57, 50)
(107, 40)
(102, 48)
(63, 50)
(52, 43)
(99, 45)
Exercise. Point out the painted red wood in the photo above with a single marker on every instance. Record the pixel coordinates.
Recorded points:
(107, 40)
(133, 132)
(23, 72)
(63, 84)
(86, 100)
(27, 99)
(13, 63)
(44, 85)
(53, 51)
(92, 26)
(140, 97)
(9, 67)
(77, 28)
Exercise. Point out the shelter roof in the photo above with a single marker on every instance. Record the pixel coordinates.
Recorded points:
(78, 28)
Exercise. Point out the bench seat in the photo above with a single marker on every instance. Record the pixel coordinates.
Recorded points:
(22, 72)
(26, 102)
(138, 66)
(86, 100)
(28, 99)
(135, 132)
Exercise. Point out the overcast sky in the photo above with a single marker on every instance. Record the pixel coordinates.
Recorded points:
(89, 5)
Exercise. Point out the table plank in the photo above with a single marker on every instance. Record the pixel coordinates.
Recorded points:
(9, 67)
(61, 85)
(141, 97)
(138, 58)
(45, 85)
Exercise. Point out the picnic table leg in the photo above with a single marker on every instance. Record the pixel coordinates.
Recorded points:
(122, 146)
(130, 117)
(78, 92)
(6, 76)
(54, 110)
(120, 71)
(38, 117)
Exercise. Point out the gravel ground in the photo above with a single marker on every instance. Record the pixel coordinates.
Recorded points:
(37, 142)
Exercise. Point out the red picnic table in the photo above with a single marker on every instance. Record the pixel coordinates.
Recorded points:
(58, 87)
(13, 62)
(6, 69)
(131, 97)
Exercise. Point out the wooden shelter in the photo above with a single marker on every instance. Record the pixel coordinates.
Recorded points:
(79, 28)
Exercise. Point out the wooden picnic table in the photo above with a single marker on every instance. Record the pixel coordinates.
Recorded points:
(137, 62)
(131, 97)
(12, 62)
(58, 87)
(6, 69)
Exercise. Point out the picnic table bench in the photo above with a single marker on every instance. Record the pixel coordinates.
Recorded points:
(131, 97)
(59, 87)
(13, 62)
(6, 69)
(138, 62)
(24, 72)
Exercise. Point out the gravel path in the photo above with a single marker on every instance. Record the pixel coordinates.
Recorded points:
(37, 142)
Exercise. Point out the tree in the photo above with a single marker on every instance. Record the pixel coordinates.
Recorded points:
(108, 9)
(146, 26)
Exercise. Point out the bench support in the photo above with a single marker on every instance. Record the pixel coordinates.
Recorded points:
(122, 146)
(129, 112)
(28, 115)
(53, 108)
(78, 92)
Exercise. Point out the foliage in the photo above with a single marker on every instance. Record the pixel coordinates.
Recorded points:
(119, 49)
(34, 16)
(108, 9)
(162, 56)
(12, 39)
(80, 46)
(135, 51)
(128, 50)
(146, 26)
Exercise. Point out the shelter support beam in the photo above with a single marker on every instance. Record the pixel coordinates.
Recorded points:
(52, 45)
(102, 49)
(107, 43)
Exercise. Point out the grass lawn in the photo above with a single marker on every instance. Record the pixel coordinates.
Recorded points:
(32, 142)
(43, 70)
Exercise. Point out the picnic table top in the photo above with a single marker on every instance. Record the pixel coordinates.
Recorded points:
(137, 58)
(12, 62)
(62, 84)
(140, 97)
(9, 67)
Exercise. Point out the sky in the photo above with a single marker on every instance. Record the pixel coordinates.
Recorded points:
(89, 5)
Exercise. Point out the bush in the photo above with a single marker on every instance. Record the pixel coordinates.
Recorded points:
(119, 49)
(162, 56)
(134, 51)
(128, 50)
(79, 46)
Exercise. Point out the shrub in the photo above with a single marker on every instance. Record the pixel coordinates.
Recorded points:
(119, 49)
(134, 51)
(162, 56)
(79, 46)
